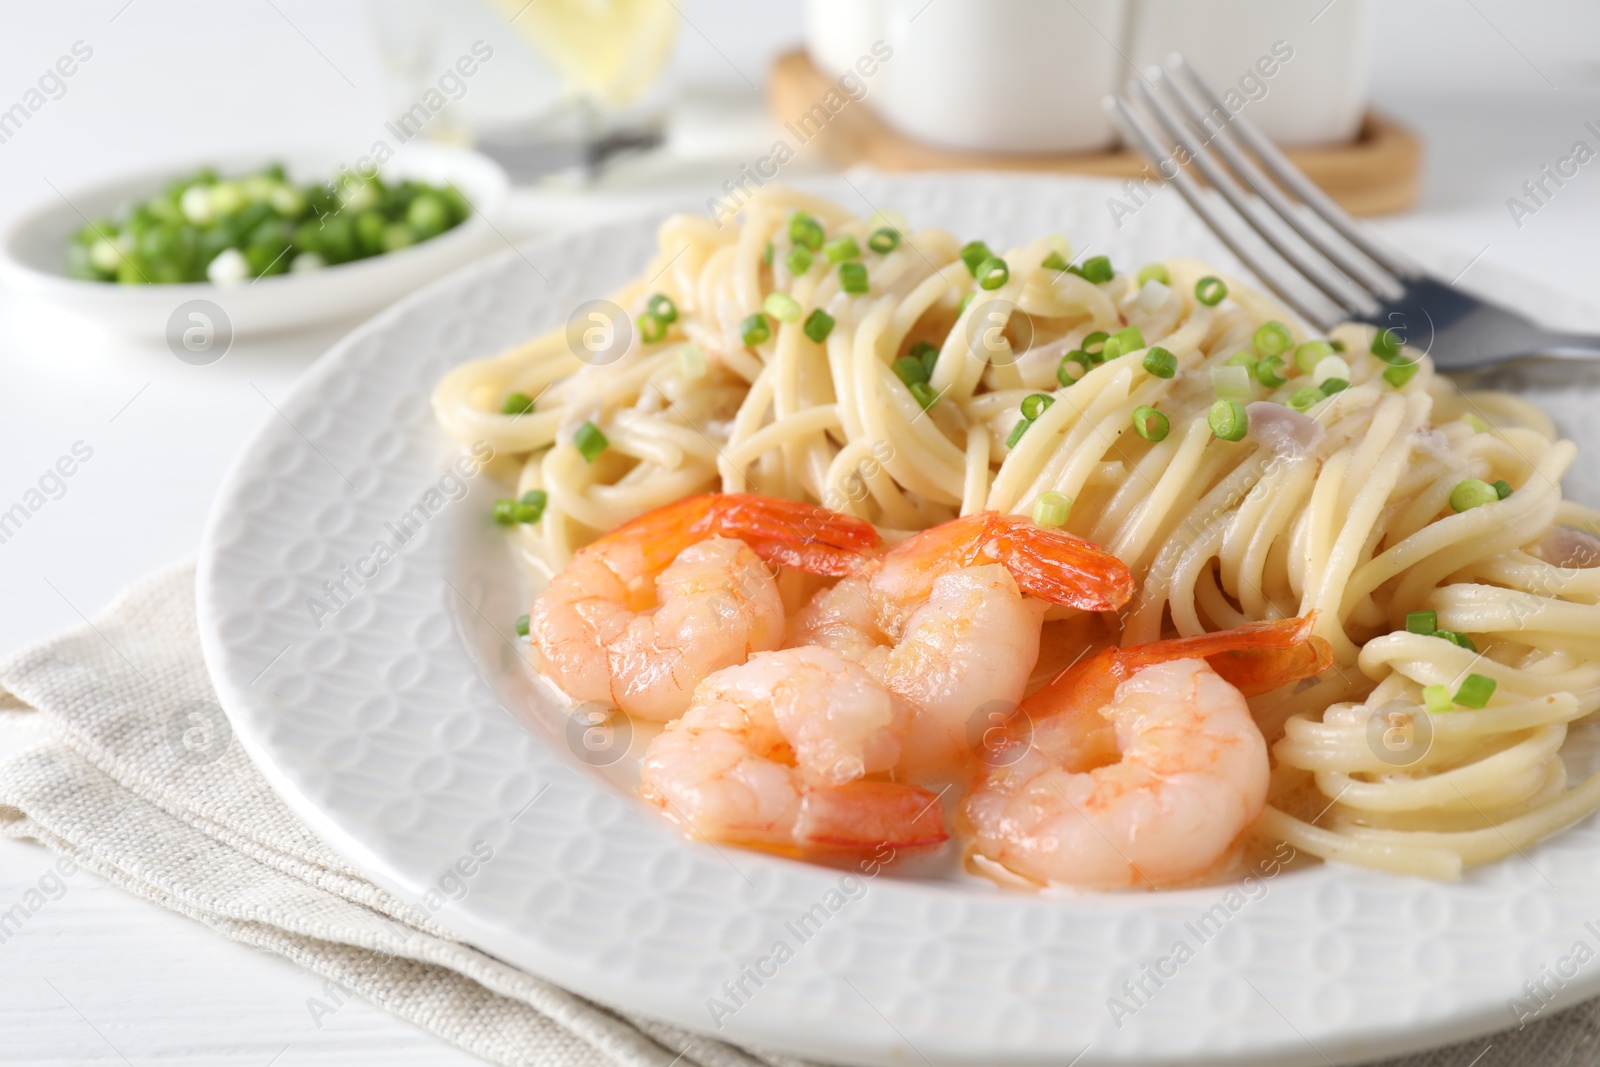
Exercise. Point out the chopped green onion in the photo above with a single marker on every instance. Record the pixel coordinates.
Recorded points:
(1477, 424)
(1231, 383)
(517, 404)
(1096, 269)
(1228, 420)
(530, 509)
(661, 306)
(1054, 262)
(1386, 345)
(1308, 355)
(1051, 508)
(1267, 372)
(1399, 374)
(1150, 424)
(1336, 344)
(924, 394)
(1471, 493)
(910, 370)
(818, 325)
(1154, 272)
(1095, 345)
(522, 626)
(766, 254)
(1436, 698)
(928, 354)
(755, 329)
(1422, 622)
(1272, 338)
(1210, 291)
(1017, 431)
(1064, 372)
(1036, 404)
(691, 363)
(1333, 385)
(805, 231)
(651, 329)
(992, 273)
(841, 248)
(589, 441)
(1455, 637)
(973, 253)
(853, 277)
(1242, 359)
(1303, 400)
(1129, 339)
(1475, 691)
(1502, 488)
(782, 307)
(883, 241)
(798, 260)
(1160, 363)
(504, 512)
(1330, 367)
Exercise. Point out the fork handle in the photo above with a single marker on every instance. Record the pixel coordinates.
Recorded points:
(1567, 346)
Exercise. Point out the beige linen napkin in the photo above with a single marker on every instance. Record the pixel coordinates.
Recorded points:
(138, 779)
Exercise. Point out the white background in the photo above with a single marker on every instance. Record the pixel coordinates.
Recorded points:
(1496, 87)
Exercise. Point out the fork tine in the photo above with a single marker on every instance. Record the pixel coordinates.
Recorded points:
(1289, 176)
(1319, 312)
(1314, 268)
(1356, 267)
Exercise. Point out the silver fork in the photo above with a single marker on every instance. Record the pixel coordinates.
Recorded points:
(1315, 257)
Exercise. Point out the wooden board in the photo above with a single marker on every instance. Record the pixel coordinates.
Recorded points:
(1377, 173)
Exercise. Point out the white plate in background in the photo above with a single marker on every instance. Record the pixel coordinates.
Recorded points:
(405, 730)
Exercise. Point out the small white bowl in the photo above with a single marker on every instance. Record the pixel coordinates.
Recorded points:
(33, 250)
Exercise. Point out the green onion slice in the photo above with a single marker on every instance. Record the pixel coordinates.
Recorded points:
(973, 253)
(841, 248)
(1150, 424)
(853, 277)
(992, 273)
(590, 441)
(1160, 363)
(1036, 404)
(651, 329)
(924, 394)
(1472, 493)
(661, 306)
(1436, 698)
(1267, 372)
(910, 370)
(1475, 691)
(1154, 272)
(806, 231)
(1422, 622)
(1272, 338)
(1210, 290)
(755, 329)
(1231, 383)
(798, 260)
(1051, 508)
(1017, 431)
(782, 307)
(1228, 420)
(522, 626)
(818, 325)
(883, 241)
(517, 404)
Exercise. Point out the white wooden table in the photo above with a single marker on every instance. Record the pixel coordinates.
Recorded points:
(1497, 87)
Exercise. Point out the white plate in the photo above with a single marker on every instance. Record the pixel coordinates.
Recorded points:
(388, 730)
(33, 249)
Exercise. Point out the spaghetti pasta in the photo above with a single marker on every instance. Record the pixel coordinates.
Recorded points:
(1336, 501)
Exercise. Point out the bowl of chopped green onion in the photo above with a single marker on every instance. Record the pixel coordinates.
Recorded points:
(277, 244)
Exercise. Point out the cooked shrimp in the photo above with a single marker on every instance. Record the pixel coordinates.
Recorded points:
(944, 620)
(642, 615)
(1143, 764)
(776, 752)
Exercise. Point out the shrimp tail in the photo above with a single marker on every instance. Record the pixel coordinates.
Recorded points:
(784, 532)
(1255, 658)
(1046, 562)
(868, 815)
